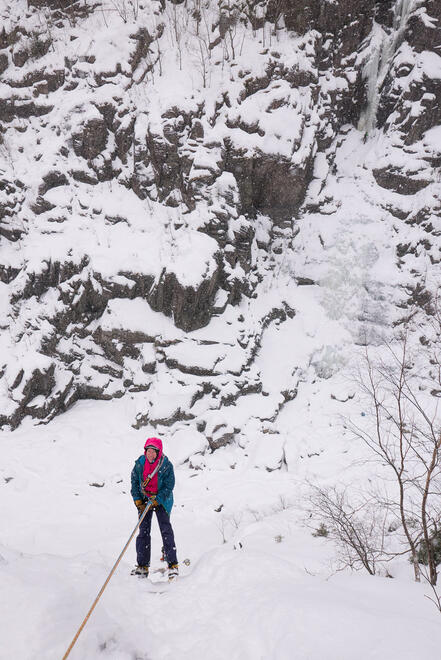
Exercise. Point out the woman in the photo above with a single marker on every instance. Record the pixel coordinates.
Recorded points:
(153, 480)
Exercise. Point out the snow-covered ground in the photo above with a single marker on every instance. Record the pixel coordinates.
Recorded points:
(259, 585)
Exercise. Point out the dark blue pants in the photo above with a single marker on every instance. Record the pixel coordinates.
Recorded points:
(143, 541)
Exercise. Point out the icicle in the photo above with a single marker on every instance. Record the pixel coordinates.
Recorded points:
(378, 65)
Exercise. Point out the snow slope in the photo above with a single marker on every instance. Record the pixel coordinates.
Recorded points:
(259, 585)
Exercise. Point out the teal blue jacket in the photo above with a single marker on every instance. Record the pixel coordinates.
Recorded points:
(166, 483)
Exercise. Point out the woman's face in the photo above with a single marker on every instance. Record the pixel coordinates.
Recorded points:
(151, 454)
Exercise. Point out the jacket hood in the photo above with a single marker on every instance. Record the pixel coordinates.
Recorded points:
(156, 443)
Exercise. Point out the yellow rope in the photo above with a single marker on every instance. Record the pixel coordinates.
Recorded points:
(149, 505)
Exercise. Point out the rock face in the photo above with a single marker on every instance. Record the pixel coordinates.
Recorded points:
(397, 181)
(160, 179)
(410, 95)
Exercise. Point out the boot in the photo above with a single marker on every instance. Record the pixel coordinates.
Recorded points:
(142, 571)
(173, 572)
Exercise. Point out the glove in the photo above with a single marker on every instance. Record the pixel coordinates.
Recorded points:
(154, 502)
(140, 505)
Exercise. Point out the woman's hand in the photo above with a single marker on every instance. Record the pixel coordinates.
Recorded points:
(140, 505)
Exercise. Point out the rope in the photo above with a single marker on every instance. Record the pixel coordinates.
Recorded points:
(150, 476)
(149, 505)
